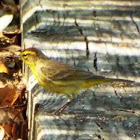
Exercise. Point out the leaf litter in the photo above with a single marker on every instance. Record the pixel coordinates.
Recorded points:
(13, 104)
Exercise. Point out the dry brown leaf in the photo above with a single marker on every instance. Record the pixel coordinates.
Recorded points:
(24, 130)
(8, 95)
(11, 129)
(2, 132)
(15, 131)
(3, 68)
(2, 84)
(11, 48)
(7, 128)
(6, 79)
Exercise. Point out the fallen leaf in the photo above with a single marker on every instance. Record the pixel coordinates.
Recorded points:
(7, 128)
(15, 131)
(3, 68)
(6, 79)
(8, 95)
(11, 129)
(2, 132)
(24, 130)
(11, 48)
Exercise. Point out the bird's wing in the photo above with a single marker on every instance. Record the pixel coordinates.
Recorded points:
(68, 73)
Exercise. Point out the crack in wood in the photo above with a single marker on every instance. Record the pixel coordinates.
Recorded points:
(94, 95)
(95, 61)
(118, 96)
(131, 16)
(85, 38)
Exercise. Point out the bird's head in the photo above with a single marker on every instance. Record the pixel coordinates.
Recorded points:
(31, 55)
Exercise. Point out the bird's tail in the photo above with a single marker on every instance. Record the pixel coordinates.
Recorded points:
(102, 80)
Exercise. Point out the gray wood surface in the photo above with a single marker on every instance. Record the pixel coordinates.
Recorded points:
(100, 36)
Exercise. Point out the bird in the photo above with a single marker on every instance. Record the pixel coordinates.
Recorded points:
(61, 78)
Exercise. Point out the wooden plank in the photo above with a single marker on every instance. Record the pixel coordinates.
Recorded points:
(101, 36)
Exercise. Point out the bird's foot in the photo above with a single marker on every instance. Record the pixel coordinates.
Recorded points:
(61, 109)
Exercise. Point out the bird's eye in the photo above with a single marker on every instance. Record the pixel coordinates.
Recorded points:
(25, 55)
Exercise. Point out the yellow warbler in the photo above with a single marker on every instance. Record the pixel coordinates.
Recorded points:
(60, 78)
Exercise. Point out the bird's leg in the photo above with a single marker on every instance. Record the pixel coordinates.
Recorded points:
(58, 111)
(71, 98)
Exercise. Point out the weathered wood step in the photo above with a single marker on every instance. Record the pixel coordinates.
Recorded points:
(96, 35)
